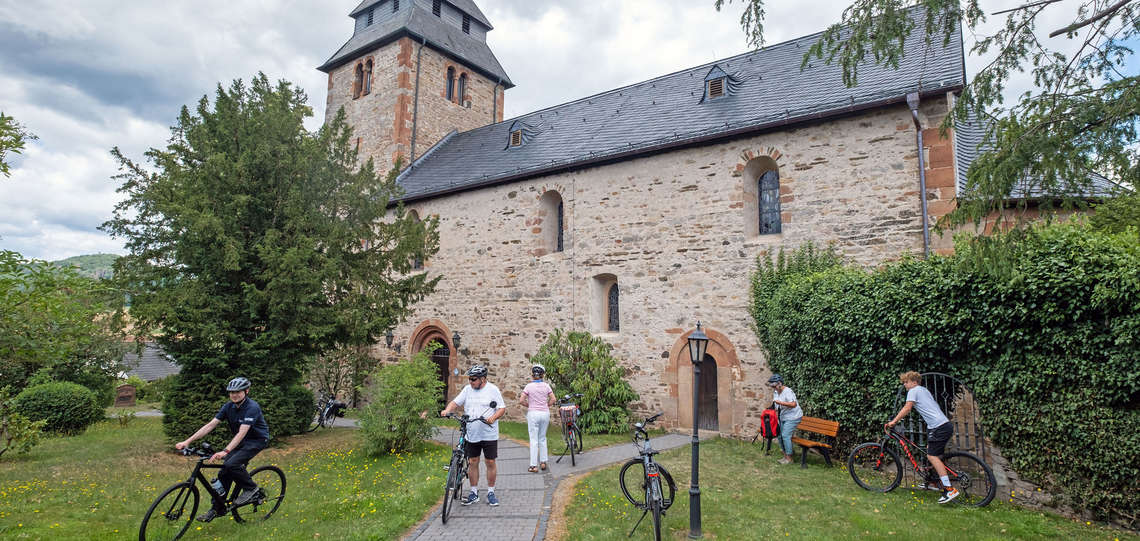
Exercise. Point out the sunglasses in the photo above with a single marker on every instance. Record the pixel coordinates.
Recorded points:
(473, 379)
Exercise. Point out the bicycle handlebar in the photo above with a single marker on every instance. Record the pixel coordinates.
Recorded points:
(467, 419)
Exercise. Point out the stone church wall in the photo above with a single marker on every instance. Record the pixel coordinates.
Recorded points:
(674, 229)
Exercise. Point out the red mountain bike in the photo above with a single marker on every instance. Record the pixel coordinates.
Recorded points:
(876, 467)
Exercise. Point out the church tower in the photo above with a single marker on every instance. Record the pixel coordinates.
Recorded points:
(412, 72)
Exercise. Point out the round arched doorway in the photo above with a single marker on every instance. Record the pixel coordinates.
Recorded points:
(443, 356)
(721, 409)
(707, 396)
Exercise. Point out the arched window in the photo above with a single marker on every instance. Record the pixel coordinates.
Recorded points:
(450, 84)
(768, 186)
(561, 227)
(612, 324)
(417, 261)
(462, 89)
(368, 76)
(551, 211)
(357, 81)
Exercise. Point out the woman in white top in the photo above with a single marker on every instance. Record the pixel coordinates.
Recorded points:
(537, 396)
(790, 414)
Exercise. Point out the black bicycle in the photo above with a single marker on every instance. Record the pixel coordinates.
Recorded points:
(568, 412)
(640, 480)
(876, 467)
(173, 512)
(328, 409)
(457, 468)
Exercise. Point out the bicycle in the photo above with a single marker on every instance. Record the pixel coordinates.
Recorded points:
(457, 468)
(328, 409)
(644, 470)
(174, 510)
(568, 412)
(876, 467)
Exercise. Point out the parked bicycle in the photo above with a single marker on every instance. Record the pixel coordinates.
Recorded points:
(173, 512)
(875, 466)
(640, 480)
(328, 409)
(457, 468)
(568, 413)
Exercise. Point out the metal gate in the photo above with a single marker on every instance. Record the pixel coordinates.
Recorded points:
(958, 403)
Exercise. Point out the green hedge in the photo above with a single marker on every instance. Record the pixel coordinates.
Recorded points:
(190, 400)
(67, 408)
(1044, 327)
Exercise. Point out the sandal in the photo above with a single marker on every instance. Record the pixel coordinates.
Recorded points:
(532, 469)
(543, 466)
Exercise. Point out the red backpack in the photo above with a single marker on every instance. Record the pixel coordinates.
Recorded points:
(769, 423)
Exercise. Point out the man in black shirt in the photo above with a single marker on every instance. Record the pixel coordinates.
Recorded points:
(250, 435)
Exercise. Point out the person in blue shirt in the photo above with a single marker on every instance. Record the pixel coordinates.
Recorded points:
(250, 435)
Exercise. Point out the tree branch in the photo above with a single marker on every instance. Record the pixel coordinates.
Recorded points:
(1109, 11)
(1029, 5)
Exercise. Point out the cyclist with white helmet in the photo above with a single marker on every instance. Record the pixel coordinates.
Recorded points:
(250, 435)
(478, 399)
(537, 397)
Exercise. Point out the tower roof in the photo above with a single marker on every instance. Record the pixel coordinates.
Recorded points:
(417, 22)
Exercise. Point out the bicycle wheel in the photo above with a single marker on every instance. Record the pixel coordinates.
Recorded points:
(271, 491)
(655, 507)
(875, 467)
(451, 488)
(669, 488)
(572, 443)
(316, 419)
(972, 477)
(631, 478)
(577, 437)
(171, 513)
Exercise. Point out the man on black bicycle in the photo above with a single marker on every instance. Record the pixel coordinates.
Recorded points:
(476, 399)
(938, 427)
(250, 435)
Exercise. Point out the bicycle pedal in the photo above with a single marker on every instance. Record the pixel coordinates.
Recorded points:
(447, 467)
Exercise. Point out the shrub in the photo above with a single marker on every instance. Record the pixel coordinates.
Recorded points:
(579, 362)
(67, 408)
(156, 390)
(1046, 334)
(17, 433)
(401, 399)
(189, 403)
(141, 387)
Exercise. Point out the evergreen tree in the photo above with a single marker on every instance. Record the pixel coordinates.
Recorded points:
(256, 245)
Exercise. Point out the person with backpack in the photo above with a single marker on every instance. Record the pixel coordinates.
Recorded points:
(790, 414)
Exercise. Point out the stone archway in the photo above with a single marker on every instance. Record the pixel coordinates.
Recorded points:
(445, 358)
(679, 372)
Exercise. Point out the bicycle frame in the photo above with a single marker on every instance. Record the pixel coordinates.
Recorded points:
(926, 469)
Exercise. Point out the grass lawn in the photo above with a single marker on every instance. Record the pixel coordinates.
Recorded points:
(746, 495)
(99, 485)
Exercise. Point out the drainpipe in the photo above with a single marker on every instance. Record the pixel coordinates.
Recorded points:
(912, 101)
(495, 101)
(416, 101)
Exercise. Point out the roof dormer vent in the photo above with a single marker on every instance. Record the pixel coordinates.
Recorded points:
(719, 84)
(516, 138)
(715, 87)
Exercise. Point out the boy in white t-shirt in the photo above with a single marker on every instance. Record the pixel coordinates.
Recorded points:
(477, 398)
(938, 427)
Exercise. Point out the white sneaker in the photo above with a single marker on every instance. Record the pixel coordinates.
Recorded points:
(949, 495)
(784, 460)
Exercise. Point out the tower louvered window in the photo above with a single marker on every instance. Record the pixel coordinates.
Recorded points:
(716, 88)
(466, 23)
(436, 7)
(613, 325)
(516, 138)
(369, 22)
(395, 6)
(769, 188)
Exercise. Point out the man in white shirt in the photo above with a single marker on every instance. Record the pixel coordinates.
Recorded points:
(480, 399)
(938, 427)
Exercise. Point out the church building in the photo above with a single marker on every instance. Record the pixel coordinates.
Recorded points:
(637, 212)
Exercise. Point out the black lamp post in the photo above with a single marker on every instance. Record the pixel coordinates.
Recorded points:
(698, 343)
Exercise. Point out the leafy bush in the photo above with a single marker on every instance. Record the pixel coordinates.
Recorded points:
(579, 362)
(17, 433)
(67, 408)
(401, 399)
(1048, 340)
(140, 387)
(156, 390)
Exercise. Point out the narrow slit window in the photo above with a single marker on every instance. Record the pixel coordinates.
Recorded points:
(450, 84)
(613, 324)
(367, 77)
(561, 228)
(466, 23)
(462, 93)
(716, 88)
(357, 81)
(436, 7)
(516, 138)
(769, 188)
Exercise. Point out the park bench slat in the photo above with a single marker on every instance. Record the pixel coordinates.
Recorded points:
(819, 426)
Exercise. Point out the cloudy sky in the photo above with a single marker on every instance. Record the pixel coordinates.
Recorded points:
(89, 75)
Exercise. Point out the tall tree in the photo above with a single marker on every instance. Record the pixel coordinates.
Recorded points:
(256, 245)
(1081, 117)
(13, 139)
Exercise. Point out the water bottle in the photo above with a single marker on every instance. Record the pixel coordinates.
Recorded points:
(218, 487)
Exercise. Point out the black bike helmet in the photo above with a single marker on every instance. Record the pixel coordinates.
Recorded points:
(237, 384)
(477, 371)
(775, 379)
(537, 370)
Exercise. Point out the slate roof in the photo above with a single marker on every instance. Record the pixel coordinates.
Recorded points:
(968, 145)
(418, 23)
(153, 364)
(767, 90)
(466, 6)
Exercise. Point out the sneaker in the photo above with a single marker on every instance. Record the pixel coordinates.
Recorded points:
(245, 496)
(949, 495)
(784, 461)
(492, 500)
(209, 515)
(470, 499)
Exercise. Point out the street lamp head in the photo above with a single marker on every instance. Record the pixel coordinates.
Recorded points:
(698, 344)
(455, 339)
(388, 338)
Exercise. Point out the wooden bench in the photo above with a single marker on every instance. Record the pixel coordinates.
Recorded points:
(822, 427)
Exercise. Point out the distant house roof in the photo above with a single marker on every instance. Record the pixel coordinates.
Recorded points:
(153, 364)
(968, 145)
(767, 89)
(419, 23)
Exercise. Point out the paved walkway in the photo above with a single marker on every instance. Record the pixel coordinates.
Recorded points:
(525, 498)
